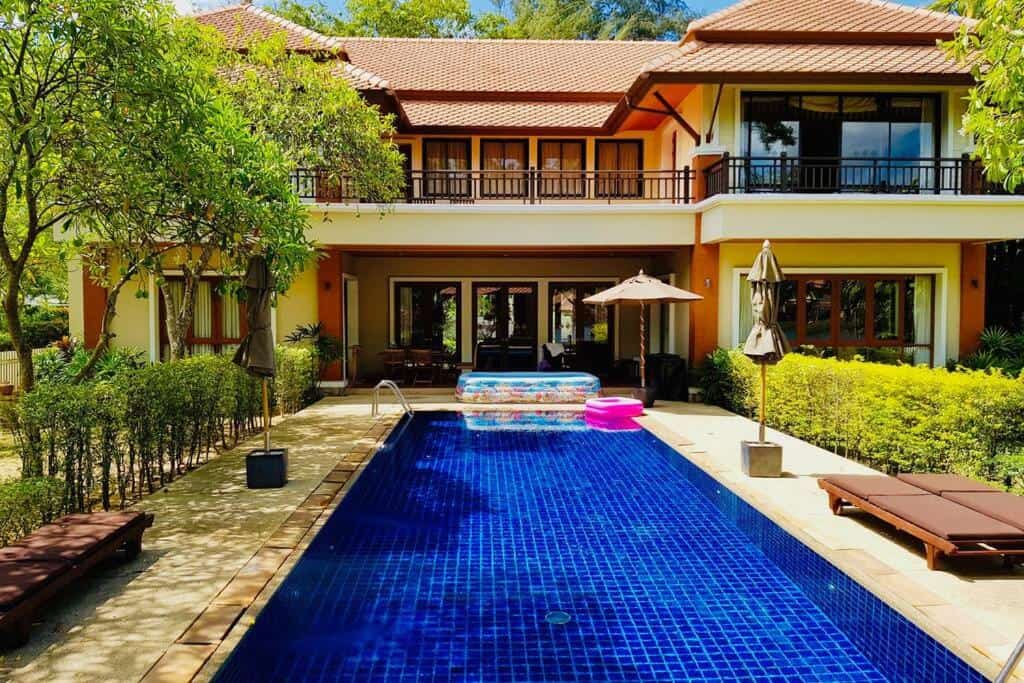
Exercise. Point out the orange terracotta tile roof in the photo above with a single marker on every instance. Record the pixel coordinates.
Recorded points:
(241, 24)
(360, 79)
(512, 66)
(507, 114)
(699, 58)
(825, 16)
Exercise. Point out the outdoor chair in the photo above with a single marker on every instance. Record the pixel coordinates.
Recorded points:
(394, 363)
(951, 515)
(421, 366)
(55, 556)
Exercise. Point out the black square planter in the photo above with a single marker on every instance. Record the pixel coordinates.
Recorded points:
(266, 469)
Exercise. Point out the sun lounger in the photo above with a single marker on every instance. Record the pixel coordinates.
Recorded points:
(945, 525)
(39, 566)
(975, 495)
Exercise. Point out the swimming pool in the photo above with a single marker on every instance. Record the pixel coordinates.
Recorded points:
(472, 550)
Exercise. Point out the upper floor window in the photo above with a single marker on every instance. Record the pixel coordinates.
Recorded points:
(562, 164)
(889, 126)
(625, 158)
(505, 163)
(443, 161)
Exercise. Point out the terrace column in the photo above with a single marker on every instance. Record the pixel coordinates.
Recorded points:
(703, 313)
(330, 301)
(703, 322)
(94, 304)
(972, 296)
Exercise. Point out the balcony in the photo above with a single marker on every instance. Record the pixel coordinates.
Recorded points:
(880, 175)
(527, 187)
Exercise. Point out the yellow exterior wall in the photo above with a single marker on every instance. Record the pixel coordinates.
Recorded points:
(76, 299)
(298, 306)
(486, 224)
(875, 256)
(132, 323)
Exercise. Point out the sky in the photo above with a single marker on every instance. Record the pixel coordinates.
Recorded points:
(702, 6)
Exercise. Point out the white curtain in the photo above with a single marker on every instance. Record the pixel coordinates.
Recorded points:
(922, 317)
(746, 320)
(231, 317)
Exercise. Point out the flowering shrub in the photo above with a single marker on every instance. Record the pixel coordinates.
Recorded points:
(894, 418)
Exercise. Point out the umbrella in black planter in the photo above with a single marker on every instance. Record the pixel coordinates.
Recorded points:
(643, 289)
(766, 345)
(267, 468)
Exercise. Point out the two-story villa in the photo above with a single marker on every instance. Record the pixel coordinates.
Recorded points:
(542, 171)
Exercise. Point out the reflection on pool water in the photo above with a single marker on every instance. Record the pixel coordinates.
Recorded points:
(533, 548)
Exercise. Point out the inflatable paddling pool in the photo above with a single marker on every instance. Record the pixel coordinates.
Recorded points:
(527, 387)
(613, 413)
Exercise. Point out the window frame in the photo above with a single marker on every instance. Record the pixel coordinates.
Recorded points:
(618, 185)
(870, 339)
(217, 340)
(506, 175)
(541, 170)
(462, 178)
(502, 313)
(396, 313)
(936, 98)
(577, 318)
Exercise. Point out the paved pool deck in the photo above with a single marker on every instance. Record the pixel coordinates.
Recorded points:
(217, 550)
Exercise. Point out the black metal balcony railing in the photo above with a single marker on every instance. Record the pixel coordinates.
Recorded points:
(529, 187)
(882, 175)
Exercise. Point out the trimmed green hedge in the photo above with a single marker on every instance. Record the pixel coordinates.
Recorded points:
(26, 504)
(112, 440)
(894, 418)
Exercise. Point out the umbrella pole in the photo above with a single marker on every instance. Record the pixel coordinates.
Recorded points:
(266, 417)
(764, 399)
(643, 363)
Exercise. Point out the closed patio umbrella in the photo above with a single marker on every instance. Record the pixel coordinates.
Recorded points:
(642, 289)
(766, 344)
(256, 352)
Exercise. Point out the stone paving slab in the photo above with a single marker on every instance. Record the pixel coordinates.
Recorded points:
(204, 549)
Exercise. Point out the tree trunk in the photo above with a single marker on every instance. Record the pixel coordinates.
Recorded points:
(106, 335)
(179, 319)
(12, 312)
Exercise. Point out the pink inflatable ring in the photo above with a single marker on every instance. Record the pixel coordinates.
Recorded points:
(613, 408)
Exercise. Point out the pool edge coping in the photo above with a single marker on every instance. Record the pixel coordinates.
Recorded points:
(209, 656)
(983, 662)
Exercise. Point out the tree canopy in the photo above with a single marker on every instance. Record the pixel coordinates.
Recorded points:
(541, 19)
(994, 47)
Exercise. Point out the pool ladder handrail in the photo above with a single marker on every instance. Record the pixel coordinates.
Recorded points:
(1012, 662)
(388, 384)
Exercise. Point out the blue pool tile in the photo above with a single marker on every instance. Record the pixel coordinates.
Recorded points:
(447, 556)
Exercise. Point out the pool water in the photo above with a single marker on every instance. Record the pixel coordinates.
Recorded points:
(476, 551)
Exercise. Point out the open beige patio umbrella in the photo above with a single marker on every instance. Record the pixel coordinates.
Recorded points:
(256, 352)
(766, 344)
(642, 289)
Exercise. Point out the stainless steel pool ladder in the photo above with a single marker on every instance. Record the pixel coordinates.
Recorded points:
(1012, 662)
(388, 384)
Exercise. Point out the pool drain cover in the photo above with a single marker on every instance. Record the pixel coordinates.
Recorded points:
(557, 617)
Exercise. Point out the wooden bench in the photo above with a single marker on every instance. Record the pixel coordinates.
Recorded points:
(38, 567)
(940, 520)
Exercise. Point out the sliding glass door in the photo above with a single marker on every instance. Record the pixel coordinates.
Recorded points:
(505, 325)
(587, 330)
(426, 315)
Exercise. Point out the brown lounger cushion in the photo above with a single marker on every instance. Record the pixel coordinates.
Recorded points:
(1000, 505)
(19, 580)
(60, 542)
(947, 519)
(943, 483)
(867, 486)
(118, 519)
